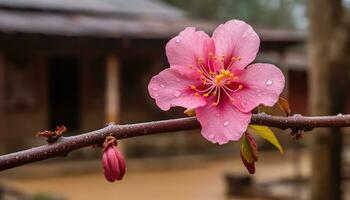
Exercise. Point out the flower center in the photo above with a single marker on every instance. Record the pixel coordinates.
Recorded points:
(216, 79)
(225, 77)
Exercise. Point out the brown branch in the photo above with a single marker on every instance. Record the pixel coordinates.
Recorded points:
(65, 145)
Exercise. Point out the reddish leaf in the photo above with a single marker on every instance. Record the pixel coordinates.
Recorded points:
(284, 105)
(52, 136)
(249, 152)
(250, 166)
(252, 146)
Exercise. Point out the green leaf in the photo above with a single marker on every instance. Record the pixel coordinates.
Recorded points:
(266, 133)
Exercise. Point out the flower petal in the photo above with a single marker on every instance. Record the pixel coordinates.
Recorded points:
(171, 88)
(236, 38)
(110, 164)
(263, 83)
(122, 164)
(188, 46)
(222, 123)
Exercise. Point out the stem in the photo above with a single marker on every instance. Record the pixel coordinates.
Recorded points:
(65, 145)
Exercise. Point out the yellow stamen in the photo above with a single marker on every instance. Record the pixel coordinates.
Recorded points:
(227, 73)
(205, 95)
(218, 78)
(211, 54)
(214, 104)
(222, 58)
(200, 60)
(193, 87)
(196, 94)
(214, 94)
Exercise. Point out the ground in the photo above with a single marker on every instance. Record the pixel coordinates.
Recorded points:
(189, 177)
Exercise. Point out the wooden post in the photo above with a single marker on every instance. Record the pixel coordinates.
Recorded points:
(326, 146)
(3, 124)
(112, 91)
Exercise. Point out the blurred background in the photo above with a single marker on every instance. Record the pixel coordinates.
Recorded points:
(82, 63)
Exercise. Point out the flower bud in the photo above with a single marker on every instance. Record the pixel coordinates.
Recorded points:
(113, 160)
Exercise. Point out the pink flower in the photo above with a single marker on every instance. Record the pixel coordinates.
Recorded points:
(213, 76)
(113, 161)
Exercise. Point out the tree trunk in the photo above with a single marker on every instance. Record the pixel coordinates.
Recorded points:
(328, 49)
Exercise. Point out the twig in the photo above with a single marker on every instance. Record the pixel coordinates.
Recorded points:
(65, 145)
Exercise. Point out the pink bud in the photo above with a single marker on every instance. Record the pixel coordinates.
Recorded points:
(113, 160)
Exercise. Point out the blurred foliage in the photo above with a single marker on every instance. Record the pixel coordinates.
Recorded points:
(271, 13)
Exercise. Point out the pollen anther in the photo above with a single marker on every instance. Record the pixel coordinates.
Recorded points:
(200, 60)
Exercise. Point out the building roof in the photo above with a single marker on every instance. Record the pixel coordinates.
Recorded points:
(133, 8)
(109, 19)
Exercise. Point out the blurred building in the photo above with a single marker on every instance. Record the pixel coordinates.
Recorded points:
(83, 63)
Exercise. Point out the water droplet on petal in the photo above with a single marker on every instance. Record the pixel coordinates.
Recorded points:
(268, 82)
(155, 95)
(162, 86)
(226, 123)
(177, 93)
(259, 95)
(235, 21)
(211, 136)
(155, 89)
(177, 40)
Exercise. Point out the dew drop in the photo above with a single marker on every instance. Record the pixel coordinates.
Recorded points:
(177, 40)
(268, 82)
(259, 95)
(177, 93)
(155, 95)
(162, 86)
(155, 89)
(226, 123)
(211, 136)
(235, 21)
